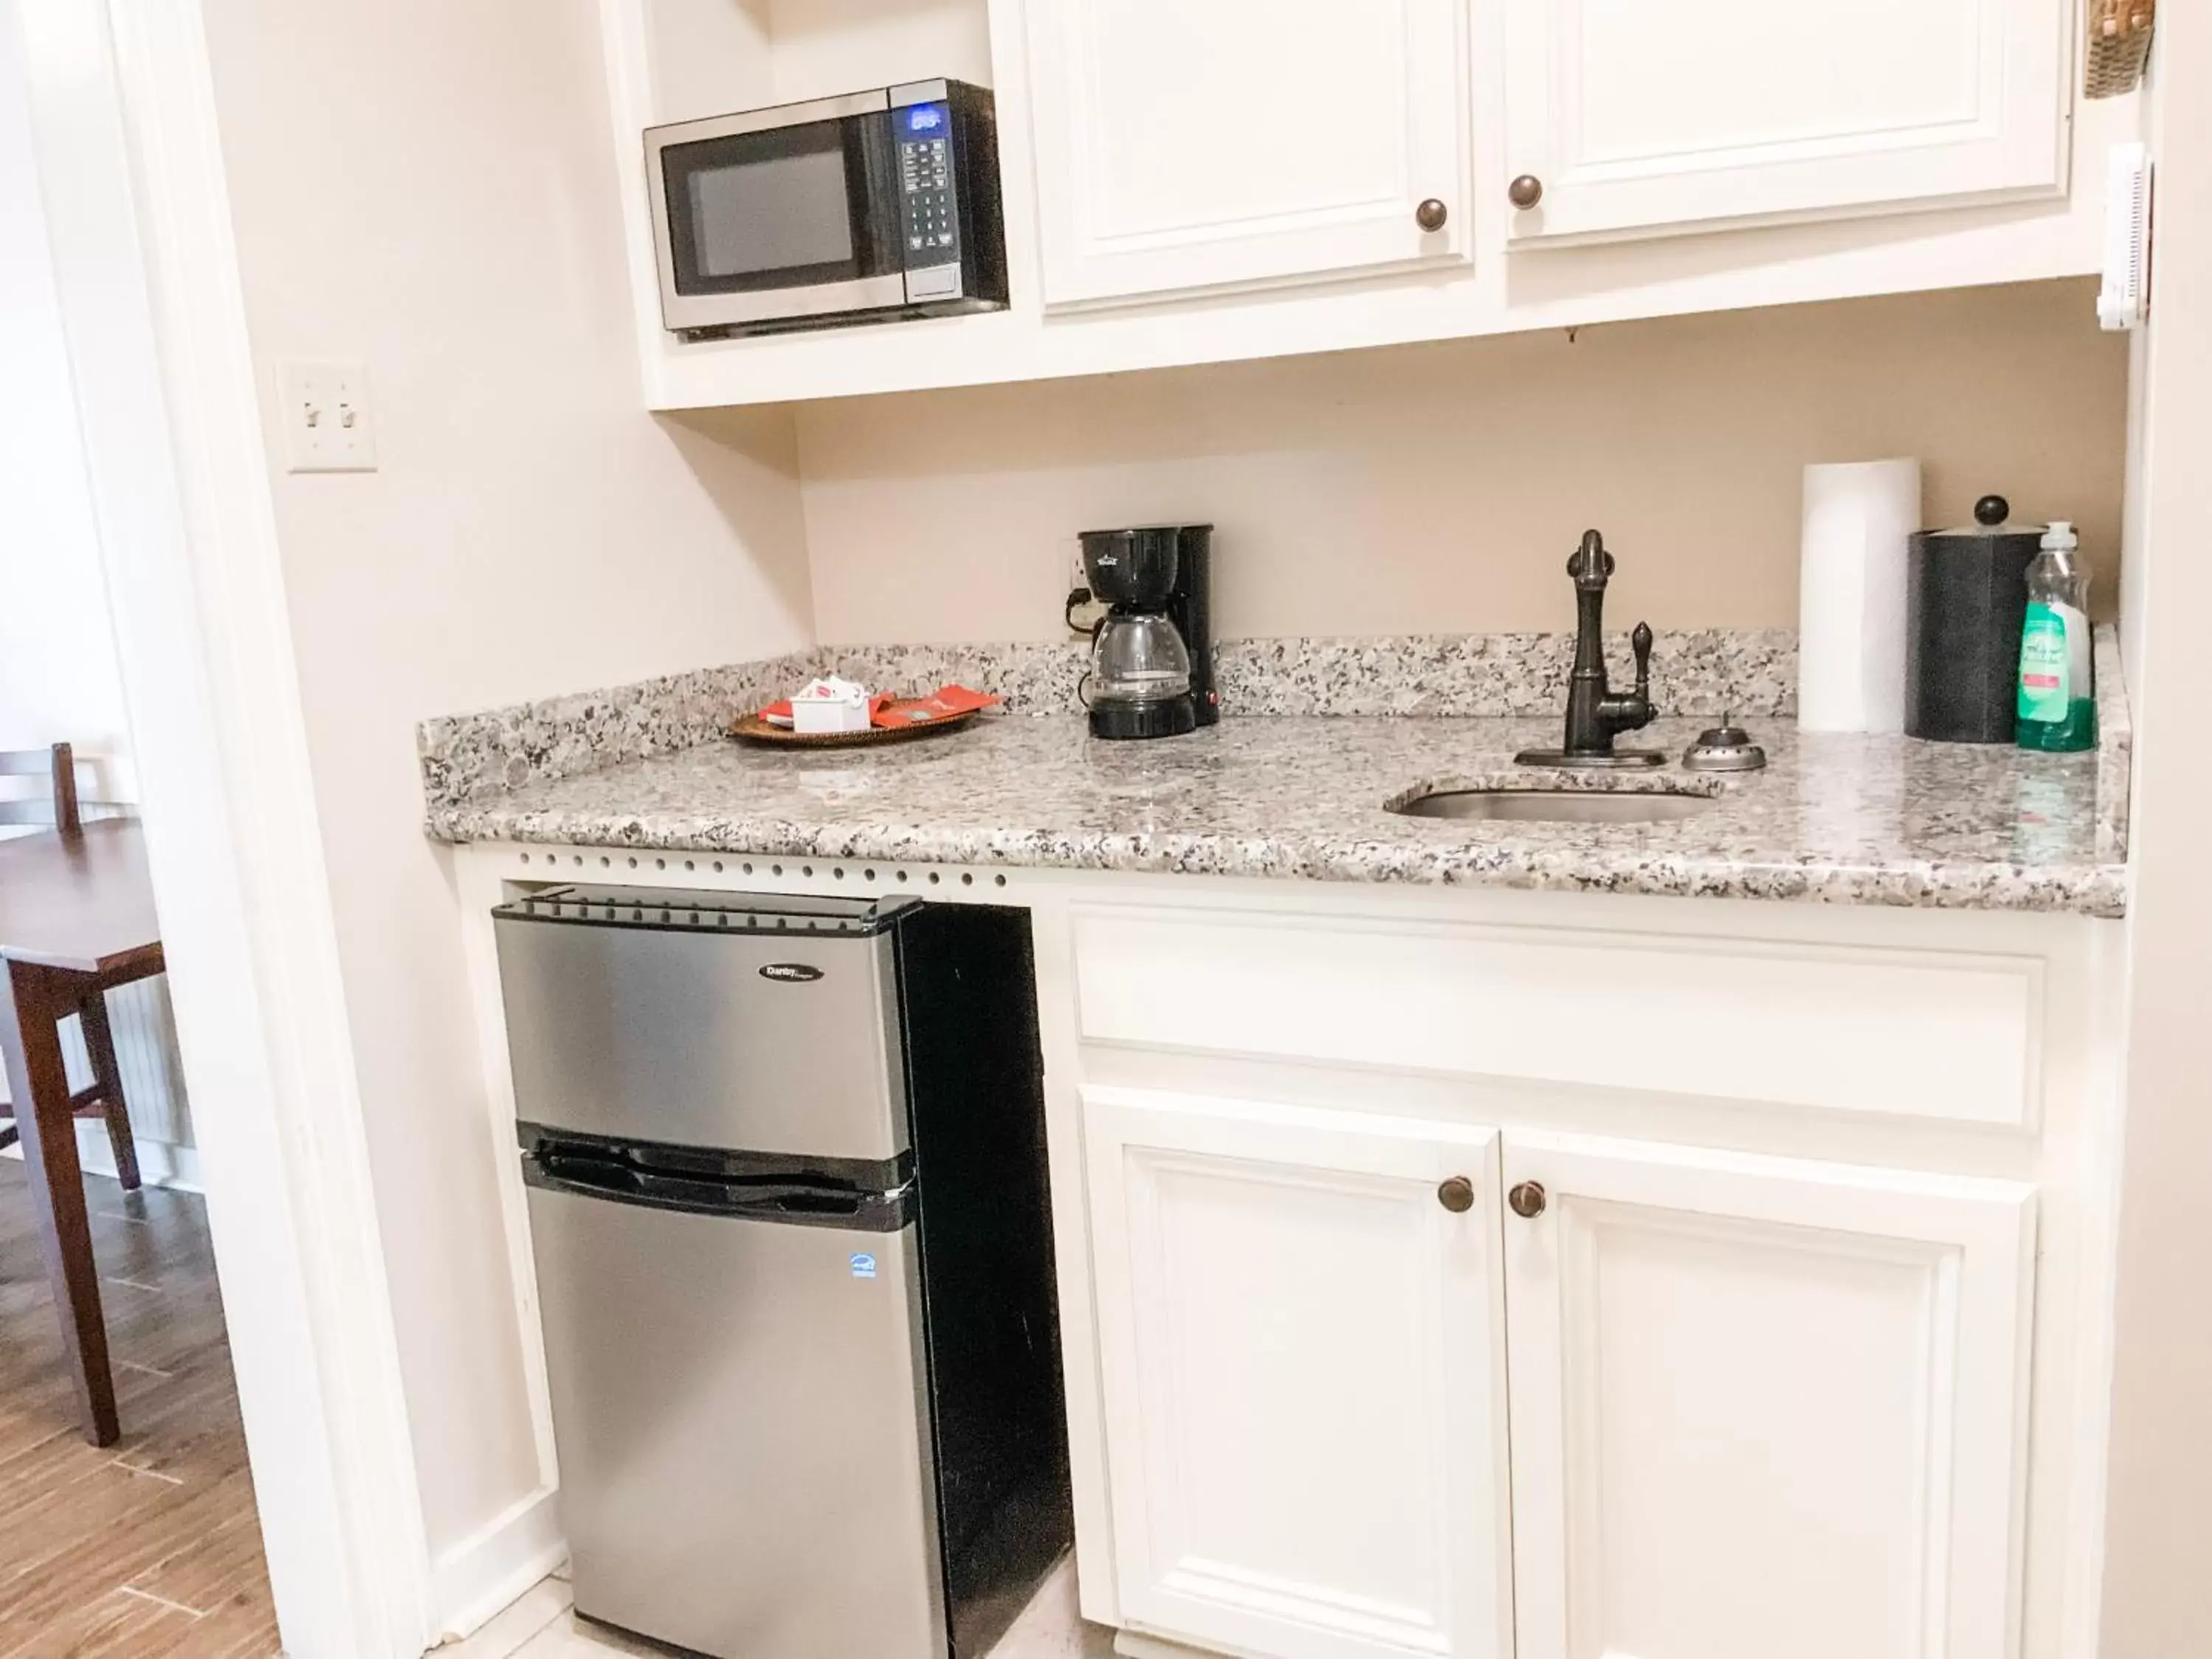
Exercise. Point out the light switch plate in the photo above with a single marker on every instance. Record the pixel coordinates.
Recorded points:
(327, 426)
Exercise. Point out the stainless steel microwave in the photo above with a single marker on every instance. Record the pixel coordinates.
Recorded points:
(872, 207)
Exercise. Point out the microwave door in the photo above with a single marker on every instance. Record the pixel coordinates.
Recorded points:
(789, 219)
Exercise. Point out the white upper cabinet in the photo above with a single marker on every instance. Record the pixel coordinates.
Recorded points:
(1183, 146)
(1191, 181)
(1303, 1358)
(1646, 116)
(1762, 1407)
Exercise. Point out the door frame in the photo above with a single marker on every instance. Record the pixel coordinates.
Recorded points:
(130, 170)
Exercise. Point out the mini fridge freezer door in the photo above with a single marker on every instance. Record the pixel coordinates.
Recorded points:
(695, 1036)
(741, 1415)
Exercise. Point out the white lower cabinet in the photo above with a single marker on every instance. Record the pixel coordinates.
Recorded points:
(1759, 1405)
(1762, 1407)
(1303, 1360)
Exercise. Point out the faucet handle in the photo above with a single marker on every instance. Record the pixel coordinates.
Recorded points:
(1640, 642)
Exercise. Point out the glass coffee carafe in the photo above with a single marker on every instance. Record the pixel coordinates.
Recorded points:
(1139, 658)
(1141, 675)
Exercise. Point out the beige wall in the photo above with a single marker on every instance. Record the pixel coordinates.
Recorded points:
(429, 187)
(2158, 1540)
(1440, 487)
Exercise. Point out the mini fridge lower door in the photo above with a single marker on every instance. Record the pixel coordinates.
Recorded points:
(741, 1412)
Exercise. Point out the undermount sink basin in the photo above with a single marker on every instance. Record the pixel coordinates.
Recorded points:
(1553, 805)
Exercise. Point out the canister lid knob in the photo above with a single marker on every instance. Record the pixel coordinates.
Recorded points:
(1724, 748)
(1991, 511)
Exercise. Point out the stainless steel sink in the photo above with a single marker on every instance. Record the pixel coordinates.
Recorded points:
(1553, 805)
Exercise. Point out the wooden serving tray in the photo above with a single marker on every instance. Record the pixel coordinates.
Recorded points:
(752, 728)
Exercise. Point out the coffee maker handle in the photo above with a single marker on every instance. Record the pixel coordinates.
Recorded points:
(1077, 599)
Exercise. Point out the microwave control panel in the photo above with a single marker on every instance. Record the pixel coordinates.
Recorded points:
(927, 219)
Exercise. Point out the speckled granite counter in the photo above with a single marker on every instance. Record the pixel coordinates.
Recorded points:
(1833, 819)
(1321, 733)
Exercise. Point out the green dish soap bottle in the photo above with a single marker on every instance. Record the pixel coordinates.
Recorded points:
(2057, 689)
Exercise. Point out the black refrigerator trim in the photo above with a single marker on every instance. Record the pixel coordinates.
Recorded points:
(974, 1065)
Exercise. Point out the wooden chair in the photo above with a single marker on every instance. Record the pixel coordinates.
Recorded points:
(63, 809)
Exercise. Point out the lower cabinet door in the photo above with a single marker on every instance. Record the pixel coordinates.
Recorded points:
(1301, 1341)
(1762, 1407)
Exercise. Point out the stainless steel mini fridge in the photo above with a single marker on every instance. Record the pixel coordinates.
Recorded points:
(787, 1203)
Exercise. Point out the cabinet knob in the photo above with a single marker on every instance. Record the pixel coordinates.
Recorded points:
(1525, 192)
(1527, 1199)
(1431, 215)
(1457, 1195)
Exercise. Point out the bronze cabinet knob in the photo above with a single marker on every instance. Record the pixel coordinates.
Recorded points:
(1431, 215)
(1525, 192)
(1527, 1199)
(1457, 1195)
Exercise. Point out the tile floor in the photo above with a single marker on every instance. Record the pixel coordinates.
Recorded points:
(541, 1626)
(148, 1549)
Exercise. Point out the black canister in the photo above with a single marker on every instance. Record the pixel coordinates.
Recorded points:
(1966, 599)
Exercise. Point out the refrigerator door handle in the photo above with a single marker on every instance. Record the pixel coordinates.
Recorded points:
(798, 1203)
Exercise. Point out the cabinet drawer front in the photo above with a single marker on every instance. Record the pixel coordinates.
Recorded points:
(1303, 1374)
(1764, 1406)
(1924, 1033)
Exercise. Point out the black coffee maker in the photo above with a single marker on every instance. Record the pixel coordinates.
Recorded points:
(1151, 655)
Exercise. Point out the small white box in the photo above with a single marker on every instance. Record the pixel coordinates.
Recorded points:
(830, 705)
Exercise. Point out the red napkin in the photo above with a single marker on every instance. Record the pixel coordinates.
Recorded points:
(942, 704)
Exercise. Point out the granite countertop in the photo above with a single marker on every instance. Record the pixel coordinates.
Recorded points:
(1838, 819)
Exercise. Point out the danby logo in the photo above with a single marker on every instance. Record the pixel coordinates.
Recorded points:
(792, 973)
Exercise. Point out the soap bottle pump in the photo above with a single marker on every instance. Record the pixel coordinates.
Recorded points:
(2057, 691)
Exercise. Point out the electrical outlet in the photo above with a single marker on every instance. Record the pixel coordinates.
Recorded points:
(327, 426)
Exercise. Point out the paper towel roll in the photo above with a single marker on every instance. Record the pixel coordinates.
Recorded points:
(1850, 639)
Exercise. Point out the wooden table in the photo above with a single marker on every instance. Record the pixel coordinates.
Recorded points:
(76, 912)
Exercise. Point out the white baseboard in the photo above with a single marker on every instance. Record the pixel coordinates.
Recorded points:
(494, 1564)
(160, 1164)
(1131, 1644)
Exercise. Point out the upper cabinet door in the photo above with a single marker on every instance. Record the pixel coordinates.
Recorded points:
(1762, 1407)
(1301, 1345)
(1643, 116)
(1184, 145)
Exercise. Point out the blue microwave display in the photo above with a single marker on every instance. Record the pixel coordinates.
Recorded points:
(925, 120)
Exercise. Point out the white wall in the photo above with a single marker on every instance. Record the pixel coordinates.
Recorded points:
(58, 681)
(1440, 488)
(58, 678)
(2159, 1534)
(428, 187)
